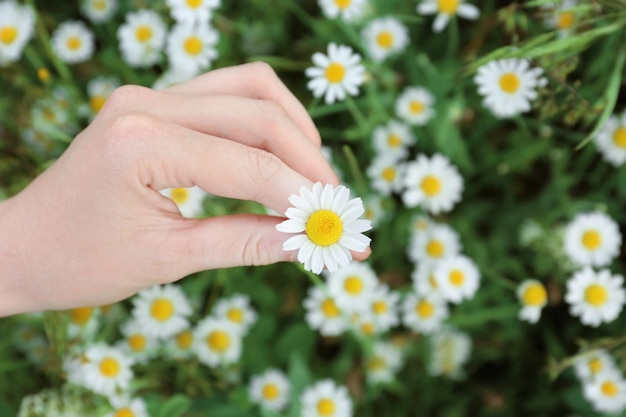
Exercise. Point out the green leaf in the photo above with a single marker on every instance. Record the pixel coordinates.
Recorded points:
(175, 406)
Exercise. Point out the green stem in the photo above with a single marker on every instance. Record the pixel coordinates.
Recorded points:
(355, 169)
(357, 114)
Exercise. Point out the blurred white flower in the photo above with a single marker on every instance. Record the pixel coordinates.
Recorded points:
(384, 37)
(383, 363)
(607, 392)
(393, 139)
(446, 9)
(106, 371)
(595, 297)
(415, 105)
(424, 313)
(590, 364)
(438, 242)
(236, 309)
(325, 399)
(73, 42)
(162, 310)
(352, 286)
(141, 38)
(17, 24)
(136, 343)
(348, 10)
(386, 174)
(458, 278)
(322, 313)
(533, 297)
(191, 48)
(270, 390)
(217, 342)
(192, 12)
(449, 350)
(611, 139)
(592, 239)
(99, 11)
(188, 200)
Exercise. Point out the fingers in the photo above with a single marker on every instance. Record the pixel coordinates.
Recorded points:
(256, 80)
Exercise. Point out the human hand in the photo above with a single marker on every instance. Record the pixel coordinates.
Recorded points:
(93, 228)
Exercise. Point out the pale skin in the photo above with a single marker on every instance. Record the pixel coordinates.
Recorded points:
(93, 229)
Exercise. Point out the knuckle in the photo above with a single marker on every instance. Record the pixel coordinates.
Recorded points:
(263, 167)
(262, 70)
(128, 95)
(128, 133)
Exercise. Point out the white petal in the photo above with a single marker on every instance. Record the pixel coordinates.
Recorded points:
(290, 226)
(295, 242)
(440, 22)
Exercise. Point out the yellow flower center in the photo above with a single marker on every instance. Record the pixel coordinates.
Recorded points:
(109, 367)
(509, 82)
(432, 281)
(143, 33)
(565, 20)
(377, 363)
(389, 174)
(73, 43)
(43, 74)
(235, 314)
(379, 307)
(353, 285)
(162, 309)
(394, 140)
(179, 195)
(342, 4)
(431, 185)
(609, 389)
(124, 412)
(324, 228)
(591, 239)
(448, 6)
(619, 137)
(193, 45)
(8, 34)
(596, 295)
(534, 295)
(137, 342)
(184, 339)
(367, 328)
(385, 39)
(99, 4)
(270, 391)
(194, 4)
(457, 278)
(329, 308)
(595, 365)
(335, 73)
(80, 316)
(435, 248)
(326, 407)
(218, 340)
(425, 309)
(96, 103)
(416, 107)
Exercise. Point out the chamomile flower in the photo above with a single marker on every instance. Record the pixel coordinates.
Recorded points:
(127, 407)
(336, 74)
(383, 307)
(217, 342)
(325, 399)
(563, 17)
(384, 37)
(591, 364)
(190, 12)
(236, 309)
(607, 392)
(374, 210)
(458, 278)
(192, 47)
(142, 37)
(348, 10)
(596, 297)
(331, 225)
(424, 313)
(393, 139)
(508, 85)
(446, 9)
(189, 200)
(162, 311)
(420, 223)
(73, 42)
(611, 139)
(352, 286)
(592, 239)
(434, 183)
(533, 297)
(180, 346)
(17, 24)
(415, 105)
(98, 90)
(386, 174)
(322, 313)
(270, 390)
(136, 344)
(107, 370)
(99, 11)
(438, 242)
(83, 321)
(423, 278)
(383, 363)
(449, 350)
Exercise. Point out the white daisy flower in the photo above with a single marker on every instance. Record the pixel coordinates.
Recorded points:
(591, 364)
(611, 139)
(192, 47)
(270, 390)
(374, 210)
(597, 297)
(433, 183)
(348, 10)
(142, 37)
(458, 278)
(136, 344)
(84, 322)
(420, 223)
(445, 9)
(384, 308)
(331, 225)
(180, 346)
(592, 239)
(189, 200)
(384, 37)
(162, 311)
(424, 313)
(423, 278)
(438, 242)
(325, 399)
(98, 91)
(17, 24)
(533, 297)
(336, 74)
(393, 139)
(322, 313)
(449, 350)
(383, 363)
(190, 12)
(99, 11)
(236, 309)
(415, 105)
(73, 42)
(217, 342)
(126, 407)
(107, 370)
(562, 17)
(352, 286)
(386, 174)
(508, 85)
(362, 323)
(607, 392)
